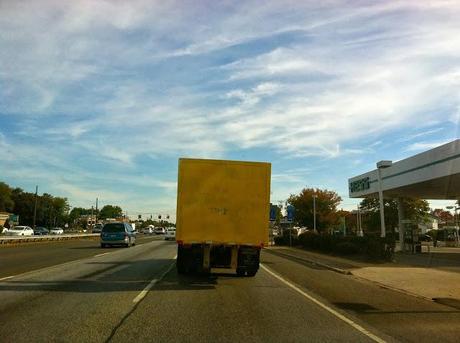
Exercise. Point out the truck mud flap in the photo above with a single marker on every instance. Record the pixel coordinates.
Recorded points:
(248, 260)
(189, 258)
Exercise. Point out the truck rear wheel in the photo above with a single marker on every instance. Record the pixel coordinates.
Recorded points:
(180, 263)
(252, 272)
(180, 267)
(240, 271)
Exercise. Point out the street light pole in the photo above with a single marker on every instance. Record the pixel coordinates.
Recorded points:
(96, 209)
(35, 206)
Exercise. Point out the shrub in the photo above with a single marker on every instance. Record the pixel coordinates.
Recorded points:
(286, 240)
(373, 246)
(347, 248)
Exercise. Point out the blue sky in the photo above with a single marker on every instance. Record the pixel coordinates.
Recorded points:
(100, 98)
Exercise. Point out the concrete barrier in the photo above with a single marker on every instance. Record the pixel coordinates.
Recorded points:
(28, 239)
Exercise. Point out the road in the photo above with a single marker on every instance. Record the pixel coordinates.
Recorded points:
(30, 256)
(135, 295)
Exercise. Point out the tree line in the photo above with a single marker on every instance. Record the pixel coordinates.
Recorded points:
(51, 211)
(329, 216)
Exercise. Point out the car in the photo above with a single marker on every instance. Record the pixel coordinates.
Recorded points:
(97, 228)
(159, 230)
(41, 231)
(56, 231)
(20, 231)
(170, 233)
(117, 233)
(148, 230)
(425, 238)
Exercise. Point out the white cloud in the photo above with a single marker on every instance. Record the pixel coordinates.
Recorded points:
(421, 134)
(120, 83)
(421, 146)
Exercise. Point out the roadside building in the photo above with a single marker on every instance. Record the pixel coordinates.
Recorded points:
(4, 218)
(433, 174)
(430, 222)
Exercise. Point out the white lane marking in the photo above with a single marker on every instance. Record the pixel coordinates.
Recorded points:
(104, 253)
(7, 277)
(327, 308)
(152, 283)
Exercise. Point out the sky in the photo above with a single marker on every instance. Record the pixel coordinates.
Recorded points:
(99, 99)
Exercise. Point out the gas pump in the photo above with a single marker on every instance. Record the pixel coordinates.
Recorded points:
(412, 238)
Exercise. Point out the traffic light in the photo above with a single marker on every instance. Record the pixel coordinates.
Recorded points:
(159, 216)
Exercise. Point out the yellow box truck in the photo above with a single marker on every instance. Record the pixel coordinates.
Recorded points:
(222, 215)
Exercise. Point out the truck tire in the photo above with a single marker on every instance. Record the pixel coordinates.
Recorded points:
(180, 261)
(252, 272)
(180, 266)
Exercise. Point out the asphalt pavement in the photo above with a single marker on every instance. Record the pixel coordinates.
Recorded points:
(135, 295)
(25, 257)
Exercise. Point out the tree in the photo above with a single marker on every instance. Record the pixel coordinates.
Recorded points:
(414, 209)
(326, 207)
(110, 211)
(77, 212)
(443, 215)
(6, 202)
(23, 205)
(51, 211)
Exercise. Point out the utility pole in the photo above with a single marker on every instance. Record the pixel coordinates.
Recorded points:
(314, 213)
(96, 210)
(35, 206)
(92, 225)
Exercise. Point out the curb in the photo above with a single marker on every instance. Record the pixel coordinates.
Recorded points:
(382, 285)
(323, 265)
(348, 272)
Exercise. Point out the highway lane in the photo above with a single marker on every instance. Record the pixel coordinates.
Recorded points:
(231, 309)
(31, 256)
(401, 316)
(135, 295)
(80, 301)
(103, 298)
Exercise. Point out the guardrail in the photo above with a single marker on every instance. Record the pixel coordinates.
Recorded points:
(27, 239)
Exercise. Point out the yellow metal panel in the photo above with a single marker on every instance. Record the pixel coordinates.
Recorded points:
(223, 201)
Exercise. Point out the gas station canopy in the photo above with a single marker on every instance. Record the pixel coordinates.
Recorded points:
(434, 174)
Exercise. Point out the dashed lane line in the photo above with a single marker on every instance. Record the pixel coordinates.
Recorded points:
(152, 283)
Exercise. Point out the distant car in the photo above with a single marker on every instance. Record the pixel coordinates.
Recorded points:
(159, 230)
(117, 233)
(97, 228)
(20, 231)
(425, 238)
(170, 233)
(56, 231)
(41, 231)
(148, 230)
